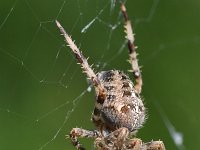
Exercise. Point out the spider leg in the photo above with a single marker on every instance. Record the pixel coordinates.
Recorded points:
(153, 145)
(132, 51)
(78, 132)
(113, 141)
(82, 61)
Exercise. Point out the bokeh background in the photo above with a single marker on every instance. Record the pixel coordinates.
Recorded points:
(43, 93)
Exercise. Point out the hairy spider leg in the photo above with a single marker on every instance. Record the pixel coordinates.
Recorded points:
(78, 132)
(132, 51)
(114, 140)
(83, 62)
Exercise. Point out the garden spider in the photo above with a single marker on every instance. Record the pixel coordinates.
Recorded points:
(119, 110)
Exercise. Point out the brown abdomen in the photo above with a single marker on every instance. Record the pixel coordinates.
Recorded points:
(121, 107)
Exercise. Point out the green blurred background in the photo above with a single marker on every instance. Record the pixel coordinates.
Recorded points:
(43, 93)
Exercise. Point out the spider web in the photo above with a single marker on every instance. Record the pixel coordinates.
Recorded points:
(44, 93)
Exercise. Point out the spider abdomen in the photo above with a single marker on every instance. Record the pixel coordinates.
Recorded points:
(121, 107)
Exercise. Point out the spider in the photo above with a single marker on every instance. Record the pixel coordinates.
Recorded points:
(119, 110)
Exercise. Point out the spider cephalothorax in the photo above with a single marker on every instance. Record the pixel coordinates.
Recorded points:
(119, 110)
